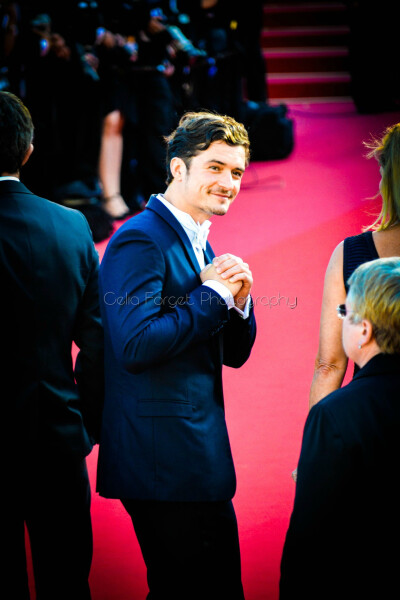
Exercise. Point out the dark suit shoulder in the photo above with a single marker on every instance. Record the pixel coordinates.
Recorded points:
(146, 226)
(47, 241)
(16, 201)
(139, 228)
(143, 221)
(369, 404)
(147, 219)
(351, 398)
(60, 215)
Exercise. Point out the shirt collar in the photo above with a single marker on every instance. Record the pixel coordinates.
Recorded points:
(194, 230)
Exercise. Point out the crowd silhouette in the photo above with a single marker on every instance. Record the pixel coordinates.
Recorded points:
(106, 81)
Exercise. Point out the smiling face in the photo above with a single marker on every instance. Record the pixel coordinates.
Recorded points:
(211, 183)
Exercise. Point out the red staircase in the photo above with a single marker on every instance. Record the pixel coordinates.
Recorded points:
(305, 46)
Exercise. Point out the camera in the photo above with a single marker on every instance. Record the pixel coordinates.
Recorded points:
(179, 39)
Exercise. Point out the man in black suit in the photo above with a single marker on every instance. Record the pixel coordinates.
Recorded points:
(49, 279)
(343, 537)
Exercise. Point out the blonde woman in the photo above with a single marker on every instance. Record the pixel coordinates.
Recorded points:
(379, 240)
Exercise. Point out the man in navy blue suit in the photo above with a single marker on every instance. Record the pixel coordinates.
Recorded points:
(173, 315)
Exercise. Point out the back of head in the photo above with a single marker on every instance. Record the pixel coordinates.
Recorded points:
(375, 295)
(386, 150)
(196, 131)
(16, 133)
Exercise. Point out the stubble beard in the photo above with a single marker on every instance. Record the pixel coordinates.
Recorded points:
(220, 210)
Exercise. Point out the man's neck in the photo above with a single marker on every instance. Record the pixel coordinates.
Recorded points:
(14, 175)
(173, 198)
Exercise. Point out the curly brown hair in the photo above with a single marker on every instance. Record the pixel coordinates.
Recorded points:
(196, 131)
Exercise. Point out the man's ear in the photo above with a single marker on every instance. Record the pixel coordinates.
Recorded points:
(27, 155)
(178, 168)
(367, 333)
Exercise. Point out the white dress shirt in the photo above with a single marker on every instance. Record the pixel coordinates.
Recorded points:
(197, 235)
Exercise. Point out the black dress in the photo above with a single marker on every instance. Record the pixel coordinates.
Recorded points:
(357, 250)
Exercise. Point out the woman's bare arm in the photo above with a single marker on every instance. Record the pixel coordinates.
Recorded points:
(331, 361)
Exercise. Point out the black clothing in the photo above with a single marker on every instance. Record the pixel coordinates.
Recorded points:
(209, 566)
(139, 88)
(357, 250)
(52, 496)
(342, 540)
(52, 409)
(62, 92)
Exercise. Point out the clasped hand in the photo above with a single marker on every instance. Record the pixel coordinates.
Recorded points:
(233, 273)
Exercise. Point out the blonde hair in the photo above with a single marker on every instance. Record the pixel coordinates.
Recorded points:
(375, 296)
(386, 151)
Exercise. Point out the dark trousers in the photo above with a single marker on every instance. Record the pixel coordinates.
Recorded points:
(53, 502)
(191, 549)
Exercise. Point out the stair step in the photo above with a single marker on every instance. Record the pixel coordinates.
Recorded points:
(345, 100)
(304, 13)
(305, 48)
(305, 36)
(297, 85)
(295, 59)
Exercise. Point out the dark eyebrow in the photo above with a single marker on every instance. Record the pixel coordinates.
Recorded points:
(220, 162)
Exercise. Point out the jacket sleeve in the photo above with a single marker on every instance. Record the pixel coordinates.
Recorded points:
(239, 337)
(133, 275)
(88, 336)
(322, 466)
(323, 470)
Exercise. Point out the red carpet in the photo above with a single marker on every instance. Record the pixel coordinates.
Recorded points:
(285, 223)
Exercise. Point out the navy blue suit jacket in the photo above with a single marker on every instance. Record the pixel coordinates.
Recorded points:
(164, 435)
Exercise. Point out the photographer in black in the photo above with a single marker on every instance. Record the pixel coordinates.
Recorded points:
(139, 106)
(61, 91)
(216, 80)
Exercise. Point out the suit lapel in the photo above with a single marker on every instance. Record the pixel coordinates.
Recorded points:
(208, 254)
(156, 206)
